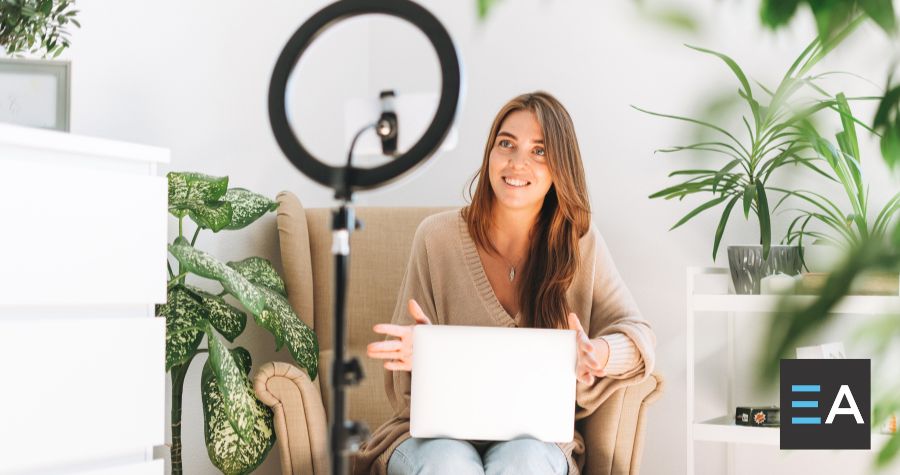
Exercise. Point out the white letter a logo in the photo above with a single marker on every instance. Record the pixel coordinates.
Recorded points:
(844, 392)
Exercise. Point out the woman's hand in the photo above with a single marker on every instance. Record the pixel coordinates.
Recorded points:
(398, 353)
(592, 355)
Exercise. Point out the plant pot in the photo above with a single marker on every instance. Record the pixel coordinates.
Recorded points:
(748, 267)
(821, 257)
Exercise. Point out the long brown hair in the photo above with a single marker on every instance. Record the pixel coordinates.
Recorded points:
(564, 218)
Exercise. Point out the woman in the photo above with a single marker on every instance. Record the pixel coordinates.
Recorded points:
(523, 254)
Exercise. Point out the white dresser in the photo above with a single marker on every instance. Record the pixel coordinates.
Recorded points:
(83, 245)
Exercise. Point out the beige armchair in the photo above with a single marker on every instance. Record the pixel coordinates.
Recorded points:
(613, 435)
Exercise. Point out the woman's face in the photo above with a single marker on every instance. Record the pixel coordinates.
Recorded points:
(518, 165)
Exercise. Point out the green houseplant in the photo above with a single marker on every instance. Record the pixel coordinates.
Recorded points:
(36, 26)
(238, 428)
(878, 252)
(845, 228)
(774, 135)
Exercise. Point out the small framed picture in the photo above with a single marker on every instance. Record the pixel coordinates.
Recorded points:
(35, 93)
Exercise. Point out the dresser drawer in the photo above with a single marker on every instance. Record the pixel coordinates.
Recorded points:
(80, 389)
(79, 236)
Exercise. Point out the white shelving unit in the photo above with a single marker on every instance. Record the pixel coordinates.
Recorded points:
(722, 428)
(81, 351)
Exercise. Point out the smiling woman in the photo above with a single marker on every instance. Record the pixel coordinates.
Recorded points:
(523, 254)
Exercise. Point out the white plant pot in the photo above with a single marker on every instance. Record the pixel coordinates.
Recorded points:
(822, 257)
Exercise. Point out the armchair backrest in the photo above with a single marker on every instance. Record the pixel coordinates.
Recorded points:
(378, 257)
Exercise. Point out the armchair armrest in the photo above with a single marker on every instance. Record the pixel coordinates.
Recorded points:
(614, 433)
(300, 423)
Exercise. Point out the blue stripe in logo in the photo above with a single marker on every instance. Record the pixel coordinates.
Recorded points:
(806, 420)
(805, 388)
(804, 403)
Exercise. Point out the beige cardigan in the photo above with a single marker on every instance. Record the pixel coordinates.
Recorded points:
(446, 277)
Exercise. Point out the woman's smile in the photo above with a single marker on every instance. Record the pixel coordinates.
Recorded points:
(516, 182)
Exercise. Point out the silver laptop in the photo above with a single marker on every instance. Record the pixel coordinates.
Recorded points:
(489, 383)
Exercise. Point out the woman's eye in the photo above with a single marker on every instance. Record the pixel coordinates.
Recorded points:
(540, 152)
(505, 143)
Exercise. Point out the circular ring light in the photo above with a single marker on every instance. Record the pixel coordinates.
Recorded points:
(355, 178)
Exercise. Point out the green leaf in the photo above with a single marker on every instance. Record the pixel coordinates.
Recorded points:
(215, 216)
(205, 265)
(189, 189)
(261, 272)
(228, 452)
(762, 210)
(775, 13)
(484, 7)
(723, 172)
(184, 325)
(720, 229)
(287, 328)
(248, 206)
(699, 209)
(747, 94)
(887, 124)
(701, 123)
(749, 194)
(882, 11)
(238, 398)
(224, 317)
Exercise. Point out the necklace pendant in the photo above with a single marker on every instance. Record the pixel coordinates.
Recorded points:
(512, 273)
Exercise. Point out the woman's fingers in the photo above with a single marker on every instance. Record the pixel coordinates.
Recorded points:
(387, 345)
(585, 377)
(416, 311)
(388, 355)
(590, 360)
(392, 330)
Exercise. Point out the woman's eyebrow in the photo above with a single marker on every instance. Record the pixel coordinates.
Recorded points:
(507, 134)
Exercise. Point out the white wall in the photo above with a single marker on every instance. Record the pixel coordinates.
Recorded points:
(193, 77)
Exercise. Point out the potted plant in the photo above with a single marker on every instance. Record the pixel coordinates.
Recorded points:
(36, 26)
(844, 229)
(238, 428)
(773, 137)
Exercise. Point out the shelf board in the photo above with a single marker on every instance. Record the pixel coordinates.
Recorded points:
(723, 429)
(851, 304)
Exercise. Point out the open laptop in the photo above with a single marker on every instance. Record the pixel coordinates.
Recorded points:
(490, 383)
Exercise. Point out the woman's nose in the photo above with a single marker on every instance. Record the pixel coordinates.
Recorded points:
(518, 160)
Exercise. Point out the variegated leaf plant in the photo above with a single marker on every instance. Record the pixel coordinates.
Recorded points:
(238, 428)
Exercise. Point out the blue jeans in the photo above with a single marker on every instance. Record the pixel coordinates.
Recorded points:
(458, 457)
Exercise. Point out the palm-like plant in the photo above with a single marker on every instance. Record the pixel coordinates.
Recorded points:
(775, 137)
(238, 428)
(849, 228)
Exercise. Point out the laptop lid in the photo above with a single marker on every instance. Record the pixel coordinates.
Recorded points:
(493, 383)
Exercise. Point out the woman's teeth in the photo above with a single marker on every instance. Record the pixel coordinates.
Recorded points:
(516, 183)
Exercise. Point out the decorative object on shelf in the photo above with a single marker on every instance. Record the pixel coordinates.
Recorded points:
(36, 26)
(238, 428)
(765, 416)
(35, 93)
(777, 284)
(867, 283)
(748, 267)
(773, 140)
(824, 351)
(890, 425)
